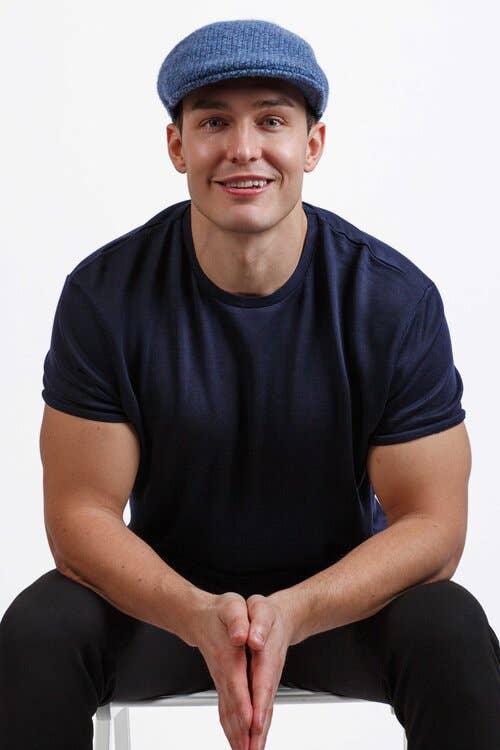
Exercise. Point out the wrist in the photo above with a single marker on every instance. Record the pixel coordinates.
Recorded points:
(293, 606)
(197, 602)
(186, 611)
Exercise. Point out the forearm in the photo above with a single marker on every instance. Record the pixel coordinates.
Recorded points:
(411, 551)
(95, 548)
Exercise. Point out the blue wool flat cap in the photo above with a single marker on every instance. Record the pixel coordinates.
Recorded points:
(237, 49)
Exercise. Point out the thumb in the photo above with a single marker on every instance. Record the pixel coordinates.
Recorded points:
(235, 618)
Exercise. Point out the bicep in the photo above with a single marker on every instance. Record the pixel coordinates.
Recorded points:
(85, 463)
(427, 476)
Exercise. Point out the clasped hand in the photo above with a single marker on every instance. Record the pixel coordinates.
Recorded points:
(246, 670)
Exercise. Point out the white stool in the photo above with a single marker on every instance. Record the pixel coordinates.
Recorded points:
(118, 711)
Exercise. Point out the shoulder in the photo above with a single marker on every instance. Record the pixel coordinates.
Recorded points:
(112, 263)
(369, 265)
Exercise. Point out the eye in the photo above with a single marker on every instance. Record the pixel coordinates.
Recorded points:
(275, 119)
(212, 119)
(218, 119)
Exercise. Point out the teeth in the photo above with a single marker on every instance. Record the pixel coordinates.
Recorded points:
(247, 183)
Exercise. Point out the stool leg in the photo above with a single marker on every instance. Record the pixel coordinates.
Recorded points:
(102, 728)
(122, 730)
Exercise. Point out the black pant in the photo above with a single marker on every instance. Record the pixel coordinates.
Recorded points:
(430, 653)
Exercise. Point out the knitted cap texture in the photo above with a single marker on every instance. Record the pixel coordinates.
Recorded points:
(237, 49)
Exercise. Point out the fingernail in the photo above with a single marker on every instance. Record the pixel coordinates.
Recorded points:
(258, 636)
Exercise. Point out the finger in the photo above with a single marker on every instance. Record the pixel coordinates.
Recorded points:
(234, 615)
(261, 617)
(258, 739)
(262, 704)
(236, 728)
(236, 703)
(236, 731)
(266, 669)
(263, 676)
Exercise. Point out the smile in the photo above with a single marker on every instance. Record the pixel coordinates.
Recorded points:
(245, 190)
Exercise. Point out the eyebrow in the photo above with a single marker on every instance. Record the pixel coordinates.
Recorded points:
(218, 104)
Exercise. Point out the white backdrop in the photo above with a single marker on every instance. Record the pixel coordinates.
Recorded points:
(411, 157)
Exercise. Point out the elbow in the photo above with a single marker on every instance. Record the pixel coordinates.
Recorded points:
(451, 566)
(62, 568)
(448, 571)
(457, 556)
(53, 549)
(59, 561)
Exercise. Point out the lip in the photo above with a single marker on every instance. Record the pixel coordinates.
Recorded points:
(245, 191)
(242, 177)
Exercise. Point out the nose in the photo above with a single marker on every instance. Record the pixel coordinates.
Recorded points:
(243, 143)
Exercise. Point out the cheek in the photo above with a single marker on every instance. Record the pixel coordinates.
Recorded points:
(200, 158)
(288, 158)
(206, 165)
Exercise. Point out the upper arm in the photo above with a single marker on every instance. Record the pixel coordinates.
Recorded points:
(85, 463)
(427, 476)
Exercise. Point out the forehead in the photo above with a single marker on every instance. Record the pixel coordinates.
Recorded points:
(255, 88)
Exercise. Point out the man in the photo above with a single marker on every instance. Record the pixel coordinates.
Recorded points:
(250, 370)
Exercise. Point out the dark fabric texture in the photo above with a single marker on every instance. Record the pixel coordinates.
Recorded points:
(430, 653)
(254, 413)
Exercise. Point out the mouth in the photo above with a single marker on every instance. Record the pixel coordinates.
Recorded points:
(254, 190)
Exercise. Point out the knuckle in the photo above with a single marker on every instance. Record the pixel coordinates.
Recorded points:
(234, 620)
(242, 723)
(232, 685)
(247, 723)
(255, 598)
(244, 718)
(268, 690)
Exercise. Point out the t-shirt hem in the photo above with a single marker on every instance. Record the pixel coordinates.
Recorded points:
(403, 437)
(76, 411)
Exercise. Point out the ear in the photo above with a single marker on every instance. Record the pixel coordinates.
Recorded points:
(315, 146)
(175, 151)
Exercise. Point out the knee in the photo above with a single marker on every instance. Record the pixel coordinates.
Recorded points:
(50, 612)
(438, 616)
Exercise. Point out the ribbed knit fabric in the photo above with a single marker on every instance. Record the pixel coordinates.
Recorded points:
(241, 48)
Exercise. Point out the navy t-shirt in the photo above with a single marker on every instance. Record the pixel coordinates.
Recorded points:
(254, 413)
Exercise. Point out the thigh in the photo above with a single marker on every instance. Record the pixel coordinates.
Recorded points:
(156, 662)
(416, 630)
(56, 612)
(436, 637)
(58, 619)
(345, 661)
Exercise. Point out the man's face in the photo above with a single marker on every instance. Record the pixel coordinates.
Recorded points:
(240, 127)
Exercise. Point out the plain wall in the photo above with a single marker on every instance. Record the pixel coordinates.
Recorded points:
(411, 157)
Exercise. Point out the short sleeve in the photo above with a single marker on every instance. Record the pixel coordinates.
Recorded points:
(426, 388)
(78, 374)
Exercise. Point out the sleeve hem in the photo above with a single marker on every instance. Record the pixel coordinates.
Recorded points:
(404, 437)
(77, 411)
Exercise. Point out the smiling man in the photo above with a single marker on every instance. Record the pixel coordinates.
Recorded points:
(245, 145)
(274, 390)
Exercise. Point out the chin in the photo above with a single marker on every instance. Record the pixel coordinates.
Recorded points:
(246, 225)
(241, 219)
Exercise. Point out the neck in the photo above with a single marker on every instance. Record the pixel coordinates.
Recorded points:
(253, 263)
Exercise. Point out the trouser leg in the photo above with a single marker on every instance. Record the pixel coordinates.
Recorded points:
(65, 650)
(430, 653)
(442, 667)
